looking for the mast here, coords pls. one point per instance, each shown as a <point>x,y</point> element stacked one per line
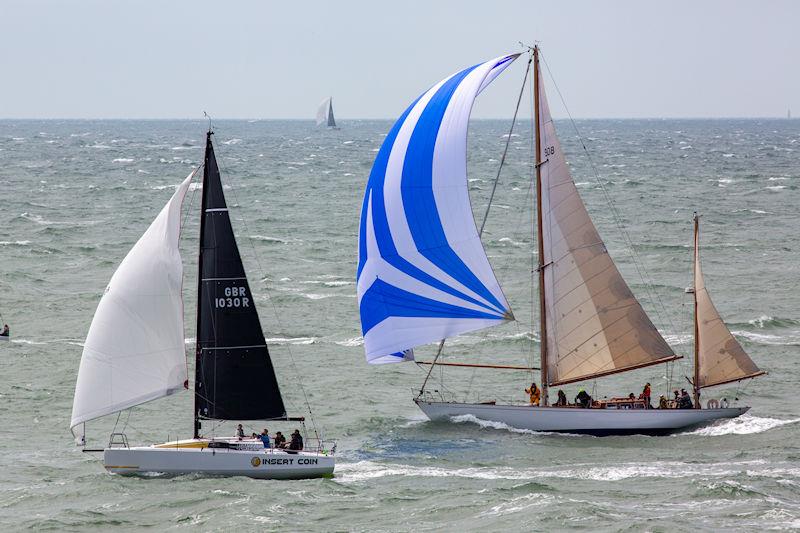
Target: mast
<point>696,380</point>
<point>539,232</point>
<point>198,350</point>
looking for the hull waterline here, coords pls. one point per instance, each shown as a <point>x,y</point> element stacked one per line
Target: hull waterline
<point>261,464</point>
<point>599,422</point>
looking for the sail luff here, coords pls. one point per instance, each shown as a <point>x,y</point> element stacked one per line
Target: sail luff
<point>720,357</point>
<point>539,231</point>
<point>593,324</point>
<point>696,379</point>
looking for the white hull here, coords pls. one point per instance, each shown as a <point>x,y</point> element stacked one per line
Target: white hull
<point>585,421</point>
<point>262,464</point>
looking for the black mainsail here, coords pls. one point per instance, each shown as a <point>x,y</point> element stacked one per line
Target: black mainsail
<point>234,377</point>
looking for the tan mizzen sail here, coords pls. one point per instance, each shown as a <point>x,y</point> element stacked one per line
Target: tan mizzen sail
<point>594,324</point>
<point>720,358</point>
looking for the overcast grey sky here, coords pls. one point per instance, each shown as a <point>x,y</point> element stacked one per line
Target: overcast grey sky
<point>279,59</point>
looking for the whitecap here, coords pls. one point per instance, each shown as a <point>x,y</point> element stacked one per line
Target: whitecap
<point>772,340</point>
<point>122,160</point>
<point>232,141</point>
<point>15,243</point>
<point>776,187</point>
<point>743,425</point>
<point>292,340</point>
<point>354,341</point>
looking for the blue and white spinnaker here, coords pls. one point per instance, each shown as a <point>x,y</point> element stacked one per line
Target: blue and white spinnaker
<point>423,275</point>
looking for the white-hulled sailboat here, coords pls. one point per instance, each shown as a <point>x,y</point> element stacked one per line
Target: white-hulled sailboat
<point>423,275</point>
<point>325,114</point>
<point>134,351</point>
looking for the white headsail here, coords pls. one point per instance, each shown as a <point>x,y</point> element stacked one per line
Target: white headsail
<point>134,351</point>
<point>422,274</point>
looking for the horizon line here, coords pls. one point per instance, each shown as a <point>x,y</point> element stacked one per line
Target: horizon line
<point>311,119</point>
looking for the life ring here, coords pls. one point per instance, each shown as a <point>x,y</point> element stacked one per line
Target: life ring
<point>713,404</point>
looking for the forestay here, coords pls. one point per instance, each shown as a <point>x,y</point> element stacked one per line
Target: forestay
<point>721,359</point>
<point>422,274</point>
<point>134,351</point>
<point>594,324</point>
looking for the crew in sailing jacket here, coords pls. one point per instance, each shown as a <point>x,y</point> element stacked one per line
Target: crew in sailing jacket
<point>534,393</point>
<point>583,399</point>
<point>6,332</point>
<point>646,396</point>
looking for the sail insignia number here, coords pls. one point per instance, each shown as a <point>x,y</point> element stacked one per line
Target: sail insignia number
<point>233,297</point>
<point>549,150</point>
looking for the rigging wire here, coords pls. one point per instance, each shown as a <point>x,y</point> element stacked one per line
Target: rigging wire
<point>269,296</point>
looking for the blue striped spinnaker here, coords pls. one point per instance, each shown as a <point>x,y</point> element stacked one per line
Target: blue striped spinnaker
<point>423,274</point>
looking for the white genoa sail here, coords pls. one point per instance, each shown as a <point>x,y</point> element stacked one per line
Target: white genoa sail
<point>720,357</point>
<point>594,324</point>
<point>422,274</point>
<point>134,350</point>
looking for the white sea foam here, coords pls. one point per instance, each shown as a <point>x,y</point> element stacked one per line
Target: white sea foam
<point>773,340</point>
<point>520,503</point>
<point>232,141</point>
<point>15,243</point>
<point>679,339</point>
<point>743,425</point>
<point>354,341</point>
<point>368,470</point>
<point>122,160</point>
<point>776,187</point>
<point>292,340</point>
<point>27,341</point>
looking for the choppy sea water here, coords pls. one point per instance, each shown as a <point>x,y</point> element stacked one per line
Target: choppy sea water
<point>77,194</point>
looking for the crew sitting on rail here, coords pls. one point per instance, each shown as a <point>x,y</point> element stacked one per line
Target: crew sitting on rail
<point>562,399</point>
<point>280,440</point>
<point>265,438</point>
<point>534,393</point>
<point>6,332</point>
<point>676,401</point>
<point>239,432</point>
<point>583,399</point>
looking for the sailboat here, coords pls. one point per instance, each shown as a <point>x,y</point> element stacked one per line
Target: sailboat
<point>134,351</point>
<point>325,114</point>
<point>423,275</point>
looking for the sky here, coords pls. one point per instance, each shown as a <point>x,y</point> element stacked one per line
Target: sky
<point>279,59</point>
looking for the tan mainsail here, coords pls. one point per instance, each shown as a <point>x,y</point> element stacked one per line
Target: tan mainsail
<point>594,324</point>
<point>720,357</point>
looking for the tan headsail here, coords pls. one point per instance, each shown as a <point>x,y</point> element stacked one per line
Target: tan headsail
<point>594,324</point>
<point>719,356</point>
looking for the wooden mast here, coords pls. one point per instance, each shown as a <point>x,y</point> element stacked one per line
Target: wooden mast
<point>696,327</point>
<point>539,241</point>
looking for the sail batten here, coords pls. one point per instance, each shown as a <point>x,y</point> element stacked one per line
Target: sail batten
<point>135,351</point>
<point>720,357</point>
<point>422,273</point>
<point>594,325</point>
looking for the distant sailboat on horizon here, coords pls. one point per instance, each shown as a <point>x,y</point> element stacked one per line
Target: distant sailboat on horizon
<point>325,114</point>
<point>423,276</point>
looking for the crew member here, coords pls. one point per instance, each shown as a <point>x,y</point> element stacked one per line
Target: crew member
<point>534,393</point>
<point>562,399</point>
<point>583,399</point>
<point>296,442</point>
<point>239,432</point>
<point>6,332</point>
<point>662,402</point>
<point>646,396</point>
<point>280,440</point>
<point>265,438</point>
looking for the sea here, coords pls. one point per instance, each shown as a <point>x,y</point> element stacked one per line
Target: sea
<point>77,194</point>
